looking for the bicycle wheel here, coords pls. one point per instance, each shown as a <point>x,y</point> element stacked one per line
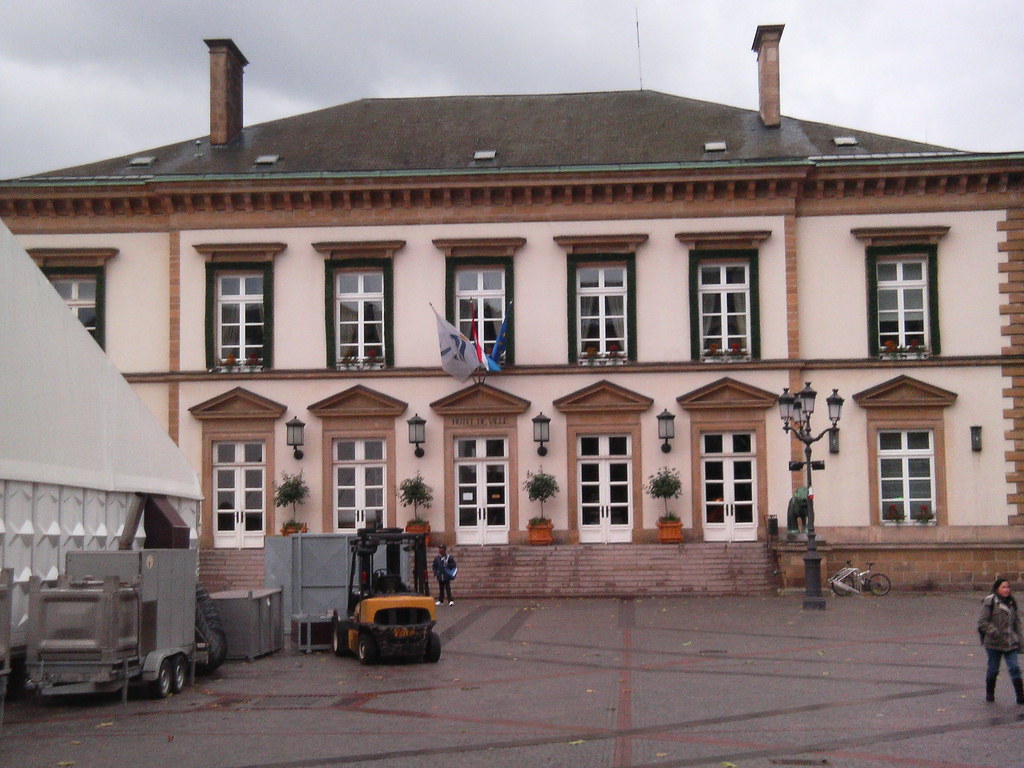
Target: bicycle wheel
<point>879,584</point>
<point>844,586</point>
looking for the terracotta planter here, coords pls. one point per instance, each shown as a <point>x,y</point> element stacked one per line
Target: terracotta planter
<point>288,530</point>
<point>670,531</point>
<point>540,533</point>
<point>411,527</point>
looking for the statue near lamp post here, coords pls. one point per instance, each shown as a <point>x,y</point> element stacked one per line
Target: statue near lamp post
<point>795,411</point>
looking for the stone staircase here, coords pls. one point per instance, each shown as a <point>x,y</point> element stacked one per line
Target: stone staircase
<point>615,570</point>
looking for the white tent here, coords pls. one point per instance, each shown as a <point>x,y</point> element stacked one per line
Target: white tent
<point>77,445</point>
<point>67,417</point>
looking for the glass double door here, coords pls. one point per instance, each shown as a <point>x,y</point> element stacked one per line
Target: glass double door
<point>729,492</point>
<point>604,472</point>
<point>239,494</point>
<point>481,490</point>
<point>359,473</point>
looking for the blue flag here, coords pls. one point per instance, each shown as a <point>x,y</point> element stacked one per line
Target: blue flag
<point>494,359</point>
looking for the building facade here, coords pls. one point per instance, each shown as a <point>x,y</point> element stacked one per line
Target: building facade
<point>652,255</point>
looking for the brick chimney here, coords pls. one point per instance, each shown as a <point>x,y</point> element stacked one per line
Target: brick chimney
<point>226,64</point>
<point>766,44</point>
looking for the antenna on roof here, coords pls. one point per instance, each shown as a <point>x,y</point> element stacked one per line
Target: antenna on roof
<point>639,61</point>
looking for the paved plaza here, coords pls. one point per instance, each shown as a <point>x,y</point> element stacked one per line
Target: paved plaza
<point>746,682</point>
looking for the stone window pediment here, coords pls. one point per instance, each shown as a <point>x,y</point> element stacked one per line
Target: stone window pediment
<point>600,244</point>
<point>603,396</point>
<point>480,399</point>
<point>71,258</point>
<point>238,403</point>
<point>904,392</point>
<point>475,247</point>
<point>358,402</point>
<point>359,249</point>
<point>727,393</point>
<point>229,253</point>
<point>716,241</point>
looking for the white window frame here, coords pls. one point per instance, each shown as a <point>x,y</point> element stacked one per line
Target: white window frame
<point>606,347</point>
<point>361,489</point>
<point>908,502</point>
<point>903,341</point>
<point>724,344</point>
<point>481,301</point>
<point>249,353</point>
<point>74,300</point>
<point>360,353</point>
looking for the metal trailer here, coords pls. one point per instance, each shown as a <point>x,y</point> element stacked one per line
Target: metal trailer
<point>6,597</point>
<point>112,619</point>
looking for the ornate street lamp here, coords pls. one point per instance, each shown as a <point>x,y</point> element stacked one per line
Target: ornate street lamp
<point>795,411</point>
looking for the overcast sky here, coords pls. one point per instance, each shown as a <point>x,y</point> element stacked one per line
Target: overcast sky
<point>84,80</point>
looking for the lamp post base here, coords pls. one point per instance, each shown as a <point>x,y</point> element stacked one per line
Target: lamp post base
<point>813,598</point>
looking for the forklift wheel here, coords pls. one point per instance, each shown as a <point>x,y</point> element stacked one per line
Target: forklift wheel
<point>339,639</point>
<point>161,687</point>
<point>367,649</point>
<point>433,653</point>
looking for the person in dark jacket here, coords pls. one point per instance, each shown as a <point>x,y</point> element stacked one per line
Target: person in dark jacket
<point>999,628</point>
<point>444,571</point>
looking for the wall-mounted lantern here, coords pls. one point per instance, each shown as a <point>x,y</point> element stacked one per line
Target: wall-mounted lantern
<point>417,434</point>
<point>541,432</point>
<point>295,436</point>
<point>666,429</point>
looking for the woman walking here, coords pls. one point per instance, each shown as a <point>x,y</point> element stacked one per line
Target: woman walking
<point>999,627</point>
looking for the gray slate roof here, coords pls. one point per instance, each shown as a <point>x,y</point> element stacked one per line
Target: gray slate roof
<point>525,132</point>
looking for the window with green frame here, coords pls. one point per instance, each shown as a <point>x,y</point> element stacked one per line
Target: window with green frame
<point>903,300</point>
<point>481,290</point>
<point>358,298</point>
<point>239,315</point>
<point>724,305</point>
<point>83,289</point>
<point>601,299</point>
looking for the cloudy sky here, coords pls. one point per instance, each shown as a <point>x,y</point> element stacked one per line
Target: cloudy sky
<point>84,80</point>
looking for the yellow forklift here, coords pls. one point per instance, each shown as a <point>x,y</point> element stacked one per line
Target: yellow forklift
<point>386,618</point>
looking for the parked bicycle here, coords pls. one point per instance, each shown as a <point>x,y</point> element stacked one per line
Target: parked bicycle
<point>851,581</point>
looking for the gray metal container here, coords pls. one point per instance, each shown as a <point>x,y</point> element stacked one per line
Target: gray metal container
<point>252,620</point>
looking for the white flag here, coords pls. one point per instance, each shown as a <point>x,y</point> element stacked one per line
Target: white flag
<point>458,354</point>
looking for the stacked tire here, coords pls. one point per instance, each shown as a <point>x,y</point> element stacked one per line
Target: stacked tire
<point>209,631</point>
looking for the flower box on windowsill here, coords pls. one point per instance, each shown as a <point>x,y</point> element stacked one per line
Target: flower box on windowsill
<point>912,352</point>
<point>603,358</point>
<point>734,354</point>
<point>360,364</point>
<point>253,365</point>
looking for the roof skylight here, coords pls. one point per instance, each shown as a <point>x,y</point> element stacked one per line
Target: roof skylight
<point>267,159</point>
<point>142,161</point>
<point>845,141</point>
<point>485,154</point>
<point>715,146</point>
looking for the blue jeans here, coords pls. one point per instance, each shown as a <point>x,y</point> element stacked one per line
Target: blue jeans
<point>1011,662</point>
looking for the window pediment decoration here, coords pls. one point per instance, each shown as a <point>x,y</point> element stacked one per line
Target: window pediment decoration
<point>889,236</point>
<point>80,258</point>
<point>239,252</point>
<point>603,396</point>
<point>726,393</point>
<point>360,249</point>
<point>601,244</point>
<point>358,402</point>
<point>471,247</point>
<point>721,241</point>
<point>238,403</point>
<point>480,399</point>
<point>904,392</point>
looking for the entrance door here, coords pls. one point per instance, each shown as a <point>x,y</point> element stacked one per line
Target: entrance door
<point>727,476</point>
<point>358,484</point>
<point>604,471</point>
<point>481,488</point>
<point>239,493</point>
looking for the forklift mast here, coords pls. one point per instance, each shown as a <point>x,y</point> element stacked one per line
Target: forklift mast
<point>363,580</point>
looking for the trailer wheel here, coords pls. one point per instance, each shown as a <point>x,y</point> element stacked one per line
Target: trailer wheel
<point>339,638</point>
<point>161,687</point>
<point>366,649</point>
<point>179,672</point>
<point>433,653</point>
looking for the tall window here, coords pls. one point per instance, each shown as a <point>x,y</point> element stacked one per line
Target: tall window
<point>902,304</point>
<point>903,301</point>
<point>359,312</point>
<point>239,483</point>
<point>724,304</point>
<point>906,469</point>
<point>79,293</point>
<point>480,299</point>
<point>240,318</point>
<point>358,484</point>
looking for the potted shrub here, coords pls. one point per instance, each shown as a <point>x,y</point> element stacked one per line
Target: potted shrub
<point>540,486</point>
<point>665,484</point>
<point>414,492</point>
<point>290,492</point>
